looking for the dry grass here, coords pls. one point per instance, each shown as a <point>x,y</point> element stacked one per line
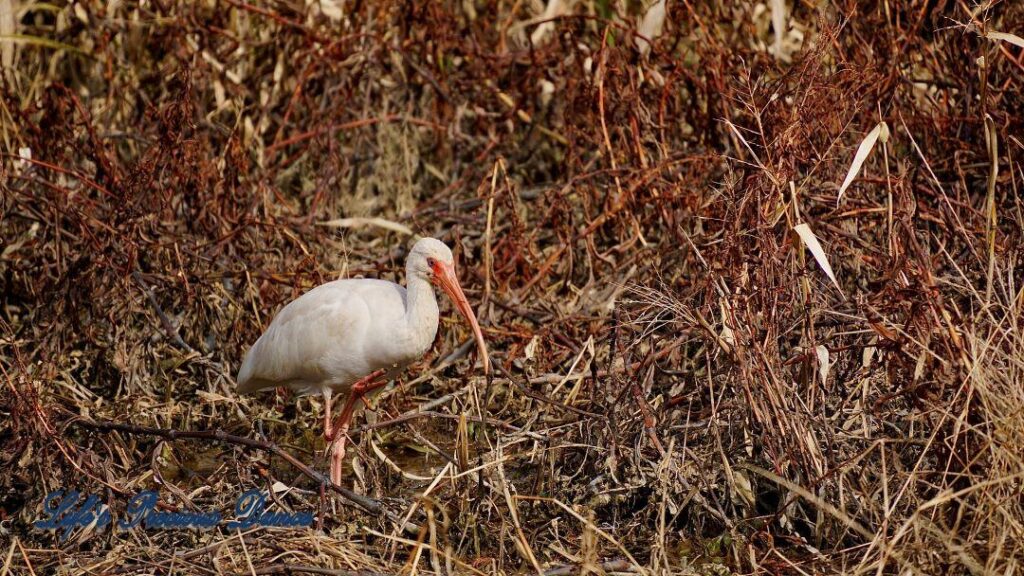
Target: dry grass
<point>681,387</point>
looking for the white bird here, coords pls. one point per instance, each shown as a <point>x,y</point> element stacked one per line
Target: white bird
<point>351,336</point>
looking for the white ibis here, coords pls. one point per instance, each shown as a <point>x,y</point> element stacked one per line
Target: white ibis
<point>351,336</point>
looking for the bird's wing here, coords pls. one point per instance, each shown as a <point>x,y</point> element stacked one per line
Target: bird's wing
<point>308,340</point>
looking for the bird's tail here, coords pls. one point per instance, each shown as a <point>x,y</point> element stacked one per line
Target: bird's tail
<point>247,382</point>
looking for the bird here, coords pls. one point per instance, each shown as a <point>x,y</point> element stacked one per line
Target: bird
<point>352,336</point>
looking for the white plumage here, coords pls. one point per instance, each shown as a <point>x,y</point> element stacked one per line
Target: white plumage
<point>334,335</point>
<point>349,336</point>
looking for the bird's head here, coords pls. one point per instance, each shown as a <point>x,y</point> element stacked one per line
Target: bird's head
<point>433,261</point>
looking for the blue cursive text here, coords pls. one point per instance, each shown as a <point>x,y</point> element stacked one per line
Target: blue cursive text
<point>68,510</point>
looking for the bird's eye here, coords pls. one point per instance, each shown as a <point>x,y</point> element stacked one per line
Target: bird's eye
<point>431,262</point>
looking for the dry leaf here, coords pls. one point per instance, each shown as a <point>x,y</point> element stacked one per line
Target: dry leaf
<point>866,355</point>
<point>26,457</point>
<point>811,241</point>
<point>358,222</point>
<point>547,90</point>
<point>332,9</point>
<point>8,27</point>
<point>214,398</point>
<point>531,348</point>
<point>866,145</point>
<point>727,335</point>
<point>778,8</point>
<point>80,13</point>
<point>822,353</point>
<point>650,26</point>
<point>743,487</point>
<point>554,9</point>
<point>1003,36</point>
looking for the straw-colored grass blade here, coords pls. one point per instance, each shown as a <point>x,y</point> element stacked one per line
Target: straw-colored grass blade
<point>811,241</point>
<point>552,10</point>
<point>823,365</point>
<point>333,9</point>
<point>359,222</point>
<point>778,8</point>
<point>727,333</point>
<point>8,39</point>
<point>1005,37</point>
<point>743,488</point>
<point>881,131</point>
<point>651,25</point>
<point>8,25</point>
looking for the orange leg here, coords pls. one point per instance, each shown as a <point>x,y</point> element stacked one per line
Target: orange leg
<point>337,434</point>
<point>328,433</point>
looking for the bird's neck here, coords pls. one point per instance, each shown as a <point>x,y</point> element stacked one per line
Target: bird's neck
<point>421,313</point>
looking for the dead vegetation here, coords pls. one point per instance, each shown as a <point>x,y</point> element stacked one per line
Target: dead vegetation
<point>682,388</point>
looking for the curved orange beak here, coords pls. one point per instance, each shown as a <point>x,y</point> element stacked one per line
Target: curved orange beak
<point>444,275</point>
